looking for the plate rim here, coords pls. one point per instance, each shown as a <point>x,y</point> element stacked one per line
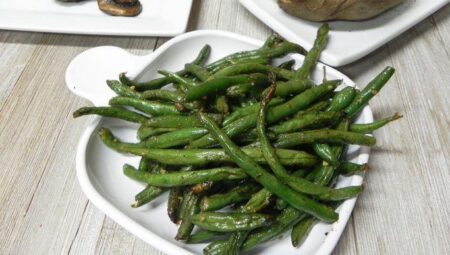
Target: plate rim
<point>327,57</point>
<point>161,243</point>
<point>8,21</point>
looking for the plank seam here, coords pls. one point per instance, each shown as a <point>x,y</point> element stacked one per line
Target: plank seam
<point>78,228</point>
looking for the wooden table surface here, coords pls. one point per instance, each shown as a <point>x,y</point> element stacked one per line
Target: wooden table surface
<point>404,210</point>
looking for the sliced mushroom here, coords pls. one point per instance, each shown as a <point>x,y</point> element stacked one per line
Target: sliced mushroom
<point>127,8</point>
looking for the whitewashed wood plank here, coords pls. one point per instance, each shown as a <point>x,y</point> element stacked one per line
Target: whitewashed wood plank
<point>16,48</point>
<point>442,23</point>
<point>406,191</point>
<point>347,243</point>
<point>85,240</point>
<point>43,203</point>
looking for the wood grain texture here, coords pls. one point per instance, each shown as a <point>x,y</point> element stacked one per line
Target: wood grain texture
<point>404,209</point>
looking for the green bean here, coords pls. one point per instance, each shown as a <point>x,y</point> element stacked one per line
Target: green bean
<point>217,248</point>
<point>162,94</point>
<point>216,85</point>
<point>235,241</point>
<point>342,99</point>
<point>284,221</point>
<point>280,204</point>
<point>349,168</point>
<point>249,68</point>
<point>145,132</point>
<point>293,86</point>
<point>323,135</point>
<point>274,114</point>
<point>278,50</point>
<point>230,222</point>
<point>258,201</point>
<point>272,40</point>
<point>173,203</point>
<point>198,71</point>
<point>241,112</point>
<point>325,152</point>
<point>324,176</point>
<point>339,149</point>
<point>161,82</point>
<point>242,90</point>
<point>306,120</point>
<point>266,147</point>
<point>219,201</point>
<point>369,91</point>
<point>123,90</point>
<point>201,188</point>
<point>184,178</point>
<point>174,138</point>
<point>112,112</point>
<point>288,65</point>
<point>144,165</point>
<point>315,108</point>
<point>200,156</point>
<point>204,236</point>
<point>180,80</point>
<point>125,80</point>
<point>150,192</point>
<point>369,127</point>
<point>312,175</point>
<point>298,184</point>
<point>179,122</point>
<point>189,207</point>
<point>149,107</point>
<point>266,179</point>
<point>313,55</point>
<point>300,230</point>
<point>147,195</point>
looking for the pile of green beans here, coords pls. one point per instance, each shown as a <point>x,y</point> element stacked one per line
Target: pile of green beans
<point>247,150</point>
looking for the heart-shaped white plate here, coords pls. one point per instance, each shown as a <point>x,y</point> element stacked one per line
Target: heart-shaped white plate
<point>99,169</point>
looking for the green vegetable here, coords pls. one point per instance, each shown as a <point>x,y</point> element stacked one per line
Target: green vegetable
<point>189,207</point>
<point>369,91</point>
<point>323,135</point>
<point>264,178</point>
<point>161,82</point>
<point>200,156</point>
<point>275,114</point>
<point>184,178</point>
<point>235,195</point>
<point>230,222</point>
<point>216,85</point>
<point>112,112</point>
<point>313,55</point>
<point>369,127</point>
<point>149,107</point>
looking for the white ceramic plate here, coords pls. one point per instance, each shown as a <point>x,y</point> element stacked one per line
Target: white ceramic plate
<point>99,169</point>
<point>158,18</point>
<point>349,41</point>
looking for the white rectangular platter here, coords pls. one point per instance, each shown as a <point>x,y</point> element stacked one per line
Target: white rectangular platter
<point>349,41</point>
<point>158,18</point>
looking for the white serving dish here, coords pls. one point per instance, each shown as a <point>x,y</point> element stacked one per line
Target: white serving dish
<point>349,41</point>
<point>158,18</point>
<point>99,168</point>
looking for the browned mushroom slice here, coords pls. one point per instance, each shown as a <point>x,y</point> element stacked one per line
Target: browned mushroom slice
<point>113,7</point>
